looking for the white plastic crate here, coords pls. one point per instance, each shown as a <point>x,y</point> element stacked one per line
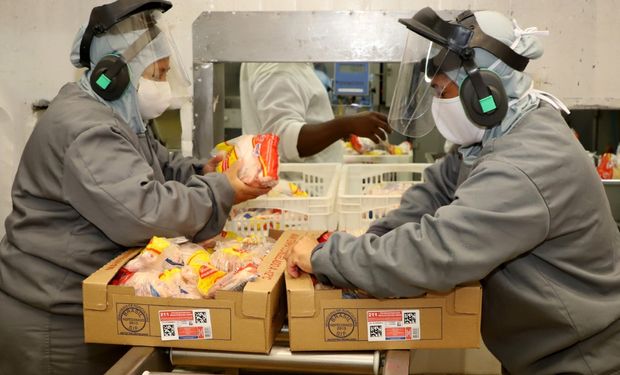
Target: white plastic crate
<point>357,210</point>
<point>377,159</point>
<point>315,212</point>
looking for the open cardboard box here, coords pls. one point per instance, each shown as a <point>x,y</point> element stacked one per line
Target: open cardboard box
<point>323,320</point>
<point>244,321</point>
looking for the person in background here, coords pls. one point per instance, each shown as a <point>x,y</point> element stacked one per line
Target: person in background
<point>289,99</point>
<point>518,207</point>
<point>93,182</point>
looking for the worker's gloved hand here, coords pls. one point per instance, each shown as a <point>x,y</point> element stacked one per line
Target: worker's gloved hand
<point>243,192</point>
<point>371,125</point>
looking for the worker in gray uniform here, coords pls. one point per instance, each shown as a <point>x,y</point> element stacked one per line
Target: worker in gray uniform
<point>92,182</point>
<point>519,208</point>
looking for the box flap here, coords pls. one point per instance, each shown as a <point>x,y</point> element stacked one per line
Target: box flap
<point>255,302</point>
<point>94,287</point>
<point>468,299</point>
<point>300,295</point>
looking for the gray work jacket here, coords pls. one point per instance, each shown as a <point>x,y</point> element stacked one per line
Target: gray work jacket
<point>530,219</point>
<point>87,188</point>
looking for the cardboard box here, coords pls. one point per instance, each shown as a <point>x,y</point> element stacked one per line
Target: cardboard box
<point>322,320</point>
<point>244,321</point>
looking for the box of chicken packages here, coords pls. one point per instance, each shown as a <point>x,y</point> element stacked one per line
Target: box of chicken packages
<point>322,318</point>
<point>174,293</point>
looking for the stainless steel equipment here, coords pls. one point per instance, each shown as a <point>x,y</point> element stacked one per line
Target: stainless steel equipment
<point>337,36</point>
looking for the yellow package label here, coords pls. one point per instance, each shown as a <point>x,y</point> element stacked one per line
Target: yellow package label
<point>157,245</point>
<point>208,276</point>
<point>169,274</point>
<point>296,190</point>
<point>199,258</point>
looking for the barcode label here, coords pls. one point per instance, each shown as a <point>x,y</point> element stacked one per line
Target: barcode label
<point>185,324</point>
<point>393,325</point>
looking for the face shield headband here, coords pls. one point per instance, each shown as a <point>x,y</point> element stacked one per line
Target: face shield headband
<point>103,17</point>
<point>451,48</point>
<point>133,27</point>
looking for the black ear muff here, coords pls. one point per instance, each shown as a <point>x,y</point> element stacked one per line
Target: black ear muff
<point>110,77</point>
<point>487,111</point>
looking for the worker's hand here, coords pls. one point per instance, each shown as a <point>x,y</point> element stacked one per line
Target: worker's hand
<point>210,165</point>
<point>298,258</point>
<point>210,243</point>
<point>243,192</point>
<point>371,125</point>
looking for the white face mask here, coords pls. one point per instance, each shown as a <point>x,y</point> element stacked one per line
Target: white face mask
<point>153,98</point>
<point>452,122</point>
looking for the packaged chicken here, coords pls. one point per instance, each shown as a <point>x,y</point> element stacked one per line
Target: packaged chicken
<point>234,281</point>
<point>159,254</point>
<point>259,154</point>
<point>286,188</point>
<point>365,146</point>
<point>177,268</point>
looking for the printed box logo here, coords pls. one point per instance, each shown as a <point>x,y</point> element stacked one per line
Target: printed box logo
<point>340,325</point>
<point>131,319</point>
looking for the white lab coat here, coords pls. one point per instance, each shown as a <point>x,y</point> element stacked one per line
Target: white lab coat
<point>280,98</point>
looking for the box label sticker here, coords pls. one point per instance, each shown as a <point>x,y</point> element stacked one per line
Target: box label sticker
<point>393,325</point>
<point>185,324</point>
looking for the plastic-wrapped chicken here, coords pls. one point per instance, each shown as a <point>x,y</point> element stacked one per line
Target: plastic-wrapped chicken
<point>260,158</point>
<point>208,275</point>
<point>147,283</point>
<point>365,146</point>
<point>180,269</point>
<point>178,285</point>
<point>403,148</point>
<point>234,254</point>
<point>234,280</point>
<point>286,188</point>
<point>188,249</point>
<point>159,254</point>
<point>362,145</point>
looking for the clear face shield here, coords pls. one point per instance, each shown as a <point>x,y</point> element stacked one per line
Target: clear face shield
<point>151,52</point>
<point>427,71</point>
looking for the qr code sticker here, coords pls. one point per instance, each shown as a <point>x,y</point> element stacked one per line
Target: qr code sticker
<point>410,318</point>
<point>168,330</point>
<point>375,331</point>
<point>201,317</point>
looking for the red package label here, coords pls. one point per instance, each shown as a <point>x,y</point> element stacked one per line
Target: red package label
<point>605,167</point>
<point>191,332</point>
<point>176,315</point>
<point>385,316</point>
<point>398,333</point>
<point>324,236</point>
<point>266,149</point>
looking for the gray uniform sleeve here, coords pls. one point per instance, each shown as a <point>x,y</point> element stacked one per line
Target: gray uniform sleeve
<point>174,165</point>
<point>497,214</point>
<point>437,190</point>
<point>109,183</point>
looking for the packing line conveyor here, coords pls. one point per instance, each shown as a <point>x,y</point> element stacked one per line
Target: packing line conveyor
<point>159,361</point>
